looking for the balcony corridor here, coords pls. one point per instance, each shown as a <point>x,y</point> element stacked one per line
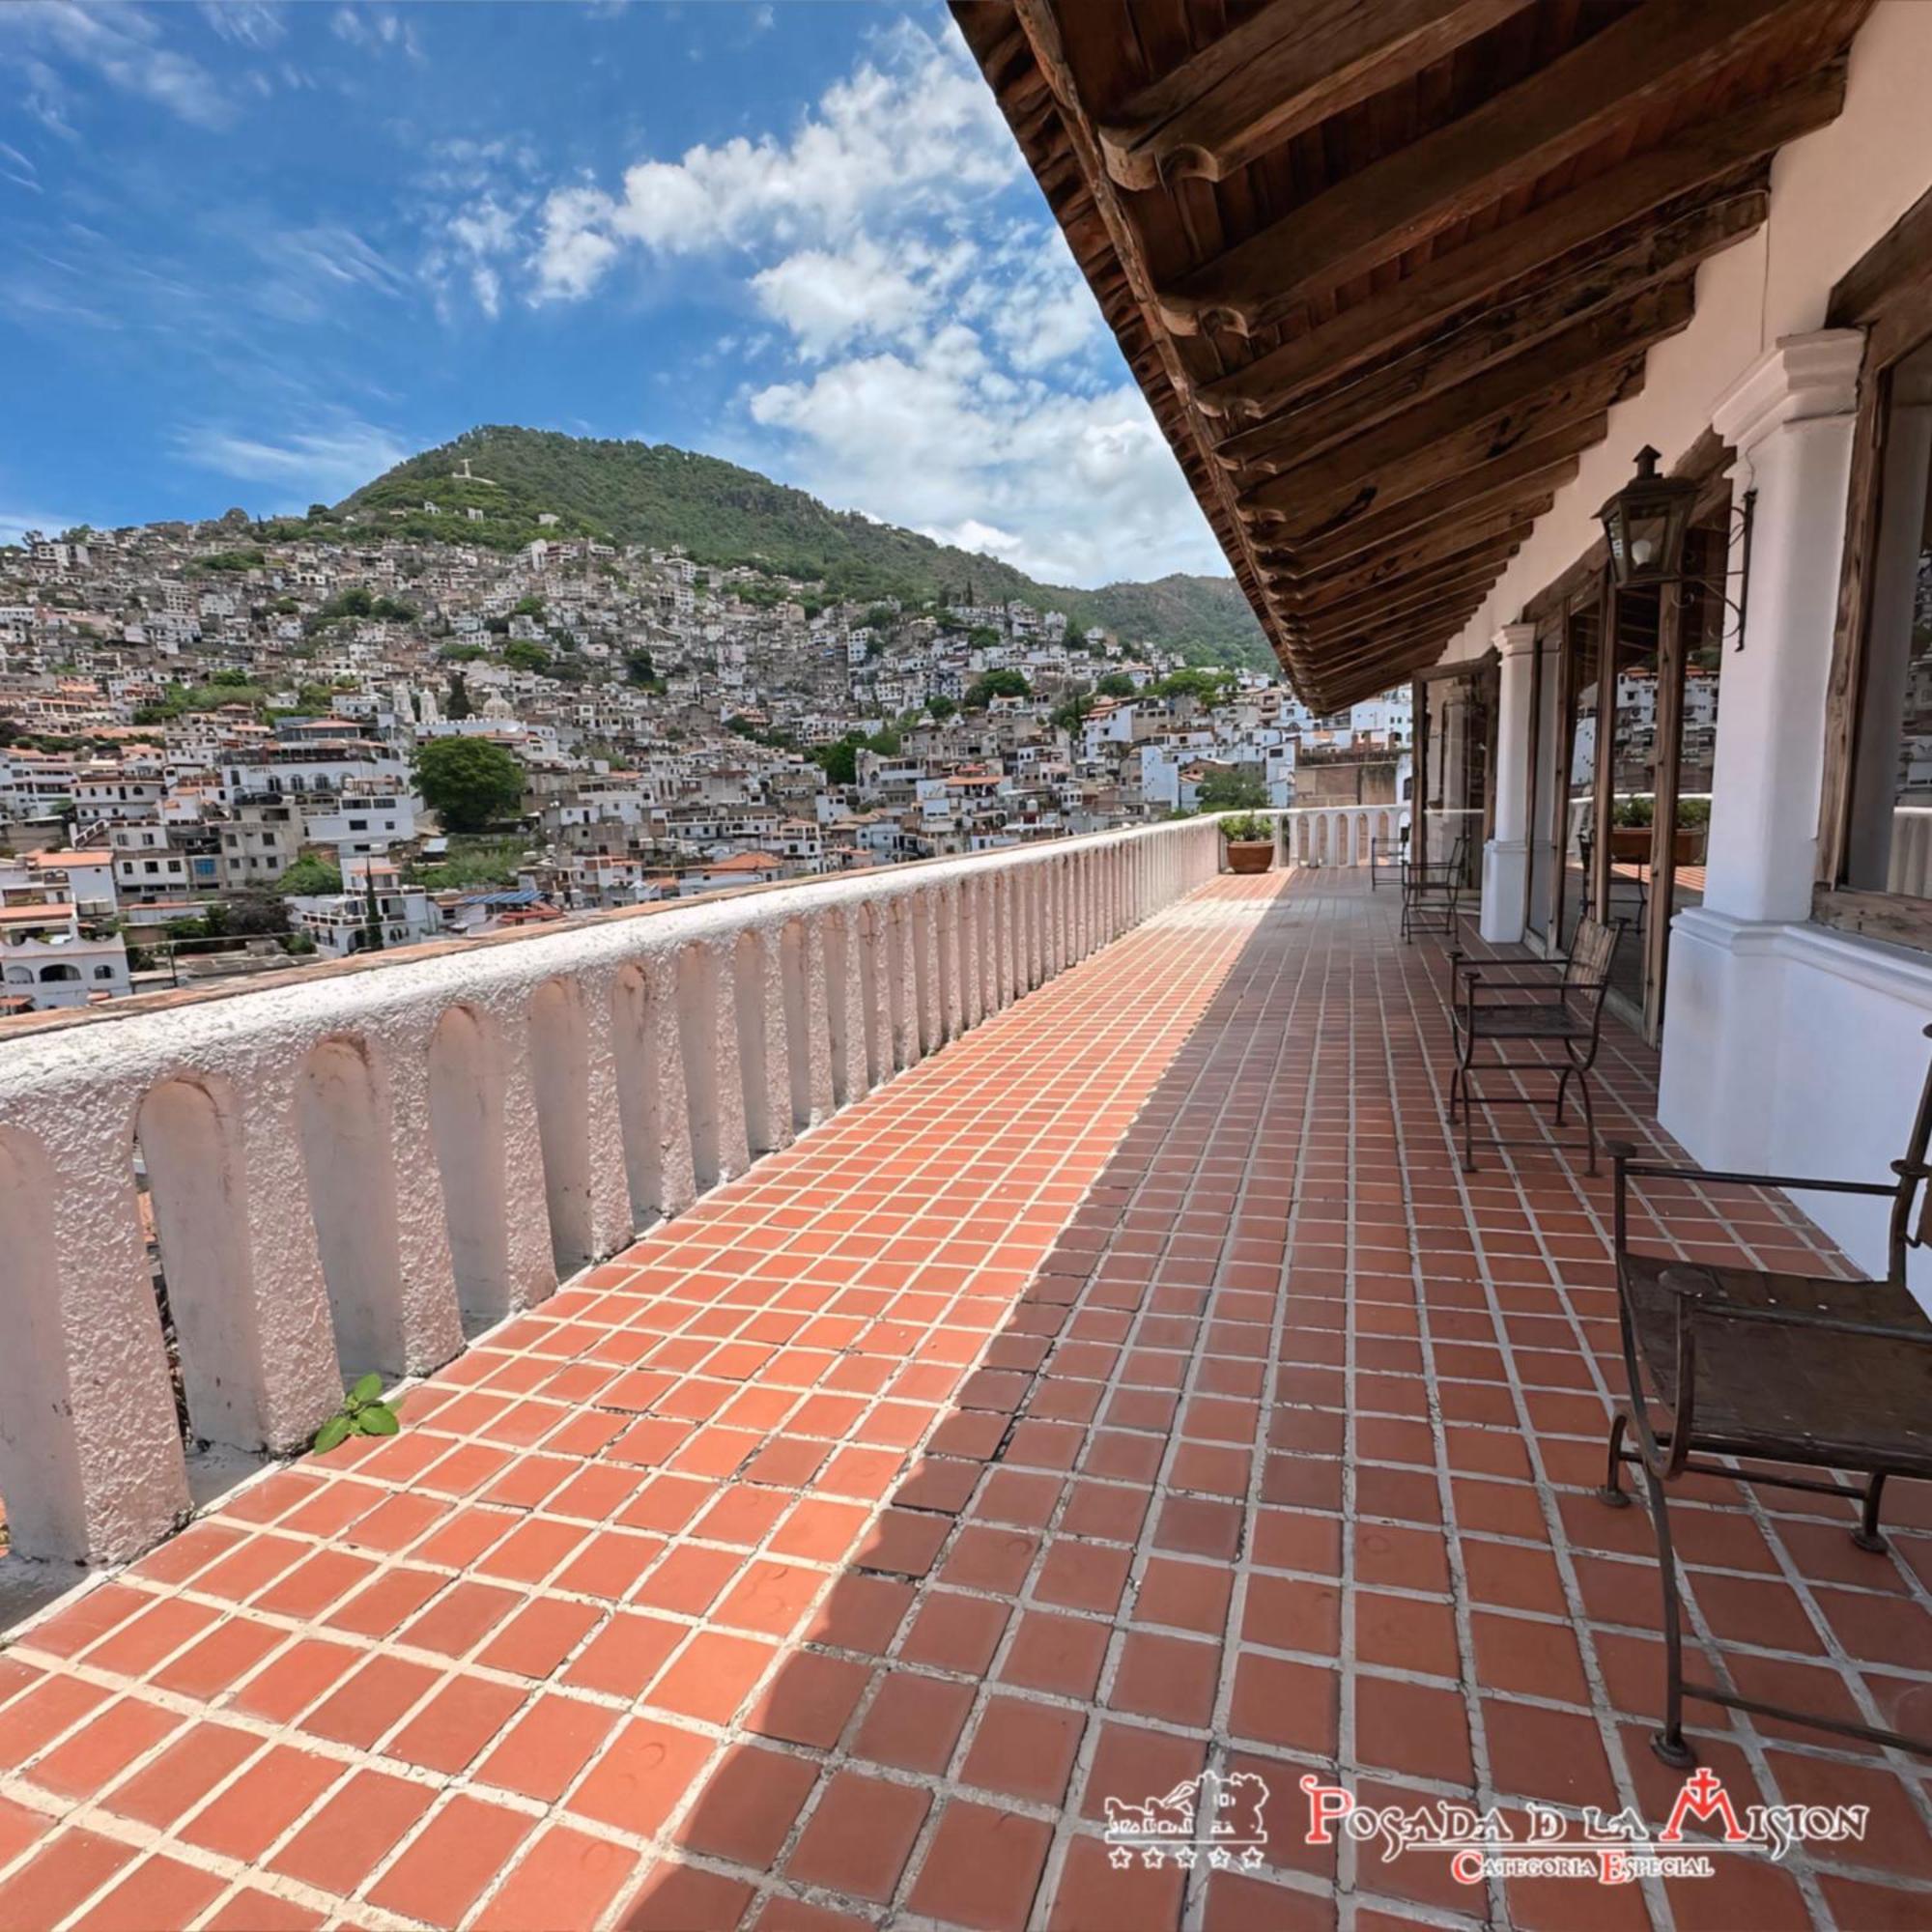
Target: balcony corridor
<point>1135,1386</point>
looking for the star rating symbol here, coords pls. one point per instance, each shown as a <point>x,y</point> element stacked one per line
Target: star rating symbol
<point>1184,1857</point>
<point>1151,1858</point>
<point>1120,1858</point>
<point>1252,1856</point>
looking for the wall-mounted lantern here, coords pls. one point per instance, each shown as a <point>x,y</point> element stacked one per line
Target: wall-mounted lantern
<point>1645,525</point>
<point>1645,522</point>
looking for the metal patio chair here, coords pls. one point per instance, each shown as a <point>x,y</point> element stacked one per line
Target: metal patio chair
<point>1380,859</point>
<point>1497,1002</point>
<point>1431,891</point>
<point>1792,1368</point>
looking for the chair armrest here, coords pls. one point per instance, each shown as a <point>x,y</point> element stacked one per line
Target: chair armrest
<point>1525,995</point>
<point>1520,966</point>
<point>1622,1152</point>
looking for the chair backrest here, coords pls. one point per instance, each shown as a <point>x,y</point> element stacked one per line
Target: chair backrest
<point>1910,1179</point>
<point>1591,950</point>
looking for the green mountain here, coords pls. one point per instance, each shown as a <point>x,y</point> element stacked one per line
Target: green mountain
<point>653,493</point>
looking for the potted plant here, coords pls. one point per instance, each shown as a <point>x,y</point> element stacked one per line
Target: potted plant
<point>1630,830</point>
<point>1250,841</point>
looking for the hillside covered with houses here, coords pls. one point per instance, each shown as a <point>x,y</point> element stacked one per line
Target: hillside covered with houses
<point>218,739</point>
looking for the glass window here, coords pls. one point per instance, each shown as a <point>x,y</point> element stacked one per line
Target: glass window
<point>1889,847</point>
<point>1584,636</point>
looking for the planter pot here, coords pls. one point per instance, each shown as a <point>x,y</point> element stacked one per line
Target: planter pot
<point>1250,855</point>
<point>1630,844</point>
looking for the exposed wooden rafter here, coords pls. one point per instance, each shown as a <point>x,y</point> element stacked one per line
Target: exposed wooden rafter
<point>1480,273</point>
<point>1659,48</point>
<point>1330,493</point>
<point>1384,267</point>
<point>1291,67</point>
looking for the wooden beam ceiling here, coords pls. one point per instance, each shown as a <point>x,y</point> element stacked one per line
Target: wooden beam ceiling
<point>1384,267</point>
<point>1391,563</point>
<point>1656,49</point>
<point>1597,217</point>
<point>1284,70</point>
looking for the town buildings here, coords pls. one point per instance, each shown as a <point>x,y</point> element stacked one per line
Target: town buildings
<point>203,707</point>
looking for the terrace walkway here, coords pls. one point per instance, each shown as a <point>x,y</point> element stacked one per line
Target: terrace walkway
<point>1132,1387</point>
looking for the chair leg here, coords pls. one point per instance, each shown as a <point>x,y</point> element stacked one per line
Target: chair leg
<point>1589,1118</point>
<point>1614,1492</point>
<point>1468,1123</point>
<point>1562,1084</point>
<point>1866,1536</point>
<point>1669,1742</point>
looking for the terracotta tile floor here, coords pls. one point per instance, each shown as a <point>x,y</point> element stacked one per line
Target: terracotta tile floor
<point>1137,1386</point>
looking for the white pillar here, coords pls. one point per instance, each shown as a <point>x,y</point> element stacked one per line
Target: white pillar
<point>1506,856</point>
<point>1790,418</point>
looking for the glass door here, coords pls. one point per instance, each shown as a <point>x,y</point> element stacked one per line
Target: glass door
<point>1456,736</point>
<point>1544,751</point>
<point>1691,662</point>
<point>1573,839</point>
<point>1629,884</point>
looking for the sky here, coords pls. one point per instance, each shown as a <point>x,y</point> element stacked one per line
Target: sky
<point>252,254</point>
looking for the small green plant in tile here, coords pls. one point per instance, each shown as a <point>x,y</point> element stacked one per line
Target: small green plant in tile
<point>364,1412</point>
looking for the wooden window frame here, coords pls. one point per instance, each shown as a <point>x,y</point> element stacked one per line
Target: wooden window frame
<point>1487,666</point>
<point>1887,294</point>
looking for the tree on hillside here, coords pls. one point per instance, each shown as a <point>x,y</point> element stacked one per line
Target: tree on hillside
<point>459,706</point>
<point>1208,687</point>
<point>840,760</point>
<point>939,707</point>
<point>309,877</point>
<point>469,781</point>
<point>997,684</point>
<point>1116,684</point>
<point>255,914</point>
<point>522,655</point>
<point>1231,791</point>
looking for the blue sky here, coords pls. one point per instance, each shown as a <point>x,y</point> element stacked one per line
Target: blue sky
<point>251,254</point>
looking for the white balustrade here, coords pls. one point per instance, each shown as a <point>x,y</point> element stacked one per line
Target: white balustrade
<point>1341,835</point>
<point>354,1166</point>
<point>1908,869</point>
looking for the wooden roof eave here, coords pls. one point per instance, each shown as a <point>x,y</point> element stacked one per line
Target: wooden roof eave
<point>1548,219</point>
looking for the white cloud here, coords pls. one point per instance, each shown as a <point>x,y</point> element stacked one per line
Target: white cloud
<point>377,30</point>
<point>319,464</point>
<point>913,133</point>
<point>15,524</point>
<point>16,168</point>
<point>574,249</point>
<point>248,23</point>
<point>1071,489</point>
<point>123,48</point>
<point>933,357</point>
<point>827,298</point>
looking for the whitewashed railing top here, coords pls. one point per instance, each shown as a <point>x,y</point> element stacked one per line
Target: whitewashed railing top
<point>353,1167</point>
<point>1340,834</point>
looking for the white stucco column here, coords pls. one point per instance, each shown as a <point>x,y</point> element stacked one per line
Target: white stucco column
<point>1506,856</point>
<point>1790,418</point>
